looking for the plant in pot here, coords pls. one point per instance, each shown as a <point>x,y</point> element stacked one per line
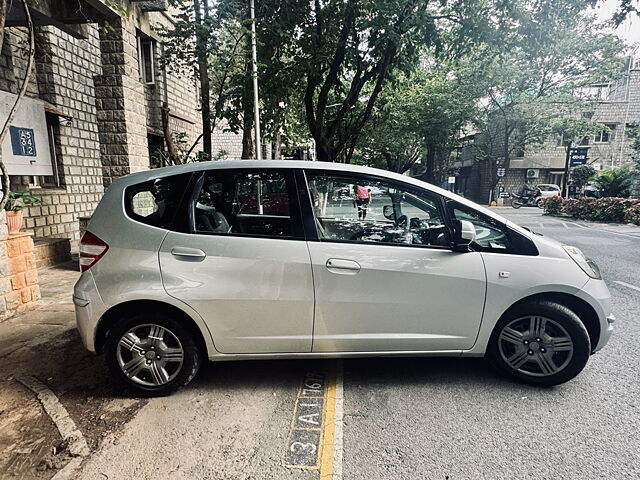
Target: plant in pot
<point>17,201</point>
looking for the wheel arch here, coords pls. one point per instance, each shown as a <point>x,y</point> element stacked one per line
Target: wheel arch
<point>580,307</point>
<point>132,307</point>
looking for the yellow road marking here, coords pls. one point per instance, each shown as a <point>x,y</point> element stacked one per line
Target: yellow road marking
<point>328,429</point>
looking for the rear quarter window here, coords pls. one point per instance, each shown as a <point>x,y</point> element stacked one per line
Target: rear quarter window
<point>156,202</point>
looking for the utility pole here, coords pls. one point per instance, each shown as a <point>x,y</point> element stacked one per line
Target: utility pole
<point>254,62</point>
<point>565,179</point>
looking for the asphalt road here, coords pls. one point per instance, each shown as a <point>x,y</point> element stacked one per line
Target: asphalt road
<point>409,418</point>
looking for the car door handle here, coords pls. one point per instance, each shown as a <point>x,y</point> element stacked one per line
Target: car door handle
<point>340,266</point>
<point>188,254</point>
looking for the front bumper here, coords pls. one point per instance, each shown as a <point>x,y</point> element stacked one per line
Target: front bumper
<point>89,308</point>
<point>596,293</point>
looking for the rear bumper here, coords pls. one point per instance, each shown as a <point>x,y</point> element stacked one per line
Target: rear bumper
<point>89,307</point>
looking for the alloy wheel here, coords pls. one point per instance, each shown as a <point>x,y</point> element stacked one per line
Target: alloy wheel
<point>535,345</point>
<point>150,355</point>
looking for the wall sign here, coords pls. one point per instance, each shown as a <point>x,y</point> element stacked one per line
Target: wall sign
<point>23,142</point>
<point>26,150</point>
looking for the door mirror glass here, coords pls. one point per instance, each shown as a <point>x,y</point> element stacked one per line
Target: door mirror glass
<point>387,211</point>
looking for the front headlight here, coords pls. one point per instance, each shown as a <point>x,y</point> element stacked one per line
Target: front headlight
<point>586,264</point>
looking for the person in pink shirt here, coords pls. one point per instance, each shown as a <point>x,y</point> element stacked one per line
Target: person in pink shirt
<point>362,199</point>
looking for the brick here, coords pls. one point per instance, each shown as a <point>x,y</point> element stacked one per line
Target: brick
<point>30,262</point>
<point>13,248</point>
<point>17,265</point>
<point>26,245</point>
<point>25,295</point>
<point>35,292</point>
<point>31,277</point>
<point>13,300</point>
<point>18,282</point>
<point>5,285</point>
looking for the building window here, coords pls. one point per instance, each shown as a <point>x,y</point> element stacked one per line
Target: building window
<point>605,135</point>
<point>146,59</point>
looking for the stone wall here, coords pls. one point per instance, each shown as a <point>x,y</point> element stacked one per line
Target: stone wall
<point>63,77</point>
<point>18,275</point>
<point>120,102</point>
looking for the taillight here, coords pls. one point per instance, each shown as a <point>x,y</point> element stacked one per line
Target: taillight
<point>91,250</point>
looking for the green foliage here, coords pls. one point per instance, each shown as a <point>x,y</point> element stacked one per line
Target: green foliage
<point>419,117</point>
<point>553,205</point>
<point>537,78</point>
<point>20,199</point>
<point>581,174</point>
<point>608,209</point>
<point>614,182</point>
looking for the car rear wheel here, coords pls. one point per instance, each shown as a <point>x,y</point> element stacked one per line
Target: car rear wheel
<point>542,343</point>
<point>152,354</point>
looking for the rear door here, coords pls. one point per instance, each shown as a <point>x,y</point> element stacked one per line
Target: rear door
<point>243,263</point>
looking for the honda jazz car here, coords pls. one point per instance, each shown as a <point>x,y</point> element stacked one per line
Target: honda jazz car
<point>251,260</point>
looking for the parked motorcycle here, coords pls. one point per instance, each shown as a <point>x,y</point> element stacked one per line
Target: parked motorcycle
<point>531,200</point>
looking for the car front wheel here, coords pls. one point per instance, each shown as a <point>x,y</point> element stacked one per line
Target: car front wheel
<point>542,343</point>
<point>152,354</point>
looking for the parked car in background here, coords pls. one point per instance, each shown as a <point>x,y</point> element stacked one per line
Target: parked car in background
<point>590,190</point>
<point>549,190</point>
<point>251,260</point>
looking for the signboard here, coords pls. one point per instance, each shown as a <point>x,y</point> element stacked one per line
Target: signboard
<point>23,141</point>
<point>501,172</point>
<point>25,150</point>
<point>578,156</point>
<point>452,179</point>
<point>504,195</point>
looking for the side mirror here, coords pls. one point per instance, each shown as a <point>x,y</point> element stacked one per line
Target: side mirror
<point>467,231</point>
<point>466,234</point>
<point>387,211</point>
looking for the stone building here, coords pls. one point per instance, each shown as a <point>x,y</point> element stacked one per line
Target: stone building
<point>93,111</point>
<point>618,107</point>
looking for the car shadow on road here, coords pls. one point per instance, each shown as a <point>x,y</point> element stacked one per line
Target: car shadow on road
<point>387,372</point>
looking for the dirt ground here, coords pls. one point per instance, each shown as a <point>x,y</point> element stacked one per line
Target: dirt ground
<point>44,344</point>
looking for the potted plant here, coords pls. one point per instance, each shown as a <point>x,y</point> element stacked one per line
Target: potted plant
<point>17,201</point>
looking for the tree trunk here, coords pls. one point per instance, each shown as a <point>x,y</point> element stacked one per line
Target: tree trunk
<point>248,147</point>
<point>429,172</point>
<point>171,147</point>
<point>203,73</point>
<point>3,16</point>
<point>276,148</point>
<point>21,94</point>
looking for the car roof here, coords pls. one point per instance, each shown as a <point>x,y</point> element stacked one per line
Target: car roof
<point>154,174</point>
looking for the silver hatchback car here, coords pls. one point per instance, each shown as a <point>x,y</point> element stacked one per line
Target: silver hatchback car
<point>281,259</point>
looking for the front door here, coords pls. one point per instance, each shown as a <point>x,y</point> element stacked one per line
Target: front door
<point>244,265</point>
<point>385,278</point>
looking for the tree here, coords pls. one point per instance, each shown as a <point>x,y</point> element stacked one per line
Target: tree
<point>581,175</point>
<point>21,93</point>
<point>419,118</point>
<point>614,182</point>
<point>538,75</point>
<point>345,51</point>
<point>213,37</point>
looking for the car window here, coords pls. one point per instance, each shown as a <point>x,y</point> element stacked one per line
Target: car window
<point>491,235</point>
<point>241,202</point>
<point>355,208</point>
<point>156,202</point>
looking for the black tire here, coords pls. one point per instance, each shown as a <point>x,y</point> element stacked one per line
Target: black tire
<point>191,358</point>
<point>540,203</point>
<point>562,318</point>
<point>516,204</point>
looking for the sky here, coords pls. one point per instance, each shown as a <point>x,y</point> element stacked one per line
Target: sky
<point>629,31</point>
